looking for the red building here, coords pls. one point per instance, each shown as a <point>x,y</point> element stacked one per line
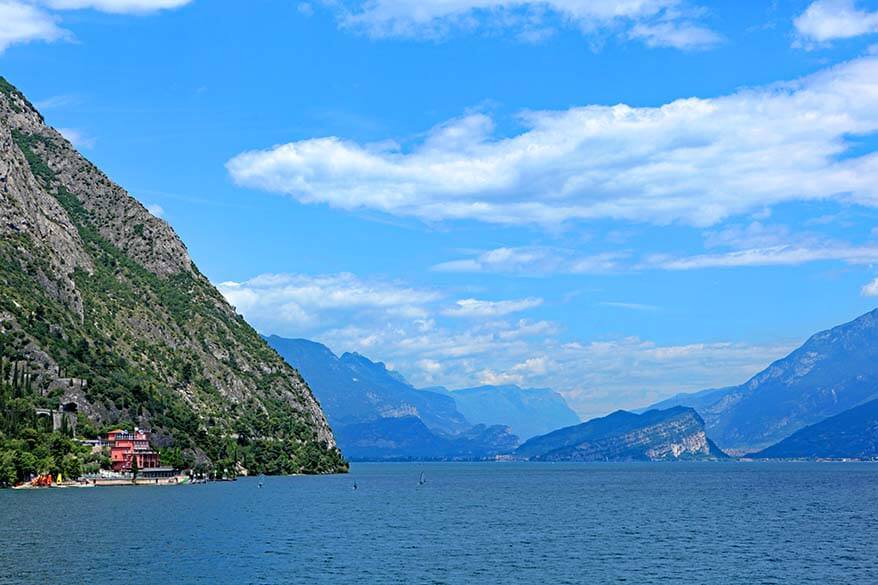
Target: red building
<point>125,447</point>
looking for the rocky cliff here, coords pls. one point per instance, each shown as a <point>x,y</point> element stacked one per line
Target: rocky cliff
<point>657,435</point>
<point>103,308</point>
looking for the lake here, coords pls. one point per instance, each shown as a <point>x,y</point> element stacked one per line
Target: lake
<point>711,523</point>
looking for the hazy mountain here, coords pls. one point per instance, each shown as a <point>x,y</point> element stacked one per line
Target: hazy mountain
<point>852,434</point>
<point>353,389</point>
<point>833,371</point>
<point>656,435</point>
<point>696,400</point>
<point>527,411</point>
<point>409,438</point>
<point>378,415</point>
<point>101,306</point>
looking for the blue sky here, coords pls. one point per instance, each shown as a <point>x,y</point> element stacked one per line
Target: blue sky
<point>618,200</point>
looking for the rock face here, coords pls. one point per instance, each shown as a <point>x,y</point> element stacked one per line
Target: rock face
<point>528,411</point>
<point>93,287</point>
<point>378,415</point>
<point>656,435</point>
<point>833,371</point>
<point>852,434</point>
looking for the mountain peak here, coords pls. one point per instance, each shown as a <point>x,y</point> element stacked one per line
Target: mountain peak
<point>95,288</point>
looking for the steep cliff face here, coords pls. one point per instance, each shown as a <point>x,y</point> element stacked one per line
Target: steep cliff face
<point>657,435</point>
<point>102,305</point>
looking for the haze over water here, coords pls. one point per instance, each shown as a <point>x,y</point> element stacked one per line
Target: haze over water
<point>710,523</point>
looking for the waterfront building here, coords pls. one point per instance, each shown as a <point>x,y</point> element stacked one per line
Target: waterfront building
<point>126,447</point>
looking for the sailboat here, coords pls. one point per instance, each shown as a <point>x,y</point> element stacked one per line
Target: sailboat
<point>423,479</point>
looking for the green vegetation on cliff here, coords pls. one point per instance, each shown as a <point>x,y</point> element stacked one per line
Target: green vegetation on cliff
<point>108,311</point>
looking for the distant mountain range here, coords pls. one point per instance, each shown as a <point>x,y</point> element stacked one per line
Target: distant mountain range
<point>352,389</point>
<point>409,438</point>
<point>527,411</point>
<point>377,414</point>
<point>851,434</point>
<point>815,402</point>
<point>657,435</point>
<point>832,372</point>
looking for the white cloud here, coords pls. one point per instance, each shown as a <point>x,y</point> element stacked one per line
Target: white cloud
<point>781,255</point>
<point>77,137</point>
<point>675,35</point>
<point>349,313</point>
<point>492,378</point>
<point>664,23</point>
<point>478,308</point>
<point>696,161</point>
<point>21,22</point>
<point>533,261</point>
<point>870,289</point>
<point>827,20</point>
<point>118,6</point>
<point>155,209</point>
<point>282,300</point>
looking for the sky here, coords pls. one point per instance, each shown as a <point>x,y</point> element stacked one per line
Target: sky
<point>619,200</point>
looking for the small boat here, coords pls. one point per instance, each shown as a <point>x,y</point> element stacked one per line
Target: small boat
<point>356,487</point>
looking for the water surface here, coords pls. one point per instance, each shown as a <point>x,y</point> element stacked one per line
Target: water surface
<point>716,523</point>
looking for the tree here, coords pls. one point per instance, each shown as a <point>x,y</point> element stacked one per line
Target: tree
<point>135,469</point>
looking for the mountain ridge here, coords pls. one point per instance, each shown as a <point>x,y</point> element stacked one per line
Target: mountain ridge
<point>98,290</point>
<point>852,434</point>
<point>656,435</point>
<point>832,371</point>
<point>378,415</point>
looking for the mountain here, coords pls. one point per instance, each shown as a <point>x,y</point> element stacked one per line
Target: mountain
<point>656,435</point>
<point>376,414</point>
<point>851,434</point>
<point>103,310</point>
<point>409,438</point>
<point>353,389</point>
<point>696,400</point>
<point>833,371</point>
<point>527,411</point>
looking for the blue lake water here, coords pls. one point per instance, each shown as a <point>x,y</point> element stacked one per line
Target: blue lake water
<point>720,523</point>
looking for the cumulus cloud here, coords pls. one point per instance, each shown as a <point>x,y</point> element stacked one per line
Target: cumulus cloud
<point>828,20</point>
<point>118,6</point>
<point>300,300</point>
<point>21,22</point>
<point>350,313</point>
<point>696,161</point>
<point>663,23</point>
<point>870,289</point>
<point>478,308</point>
